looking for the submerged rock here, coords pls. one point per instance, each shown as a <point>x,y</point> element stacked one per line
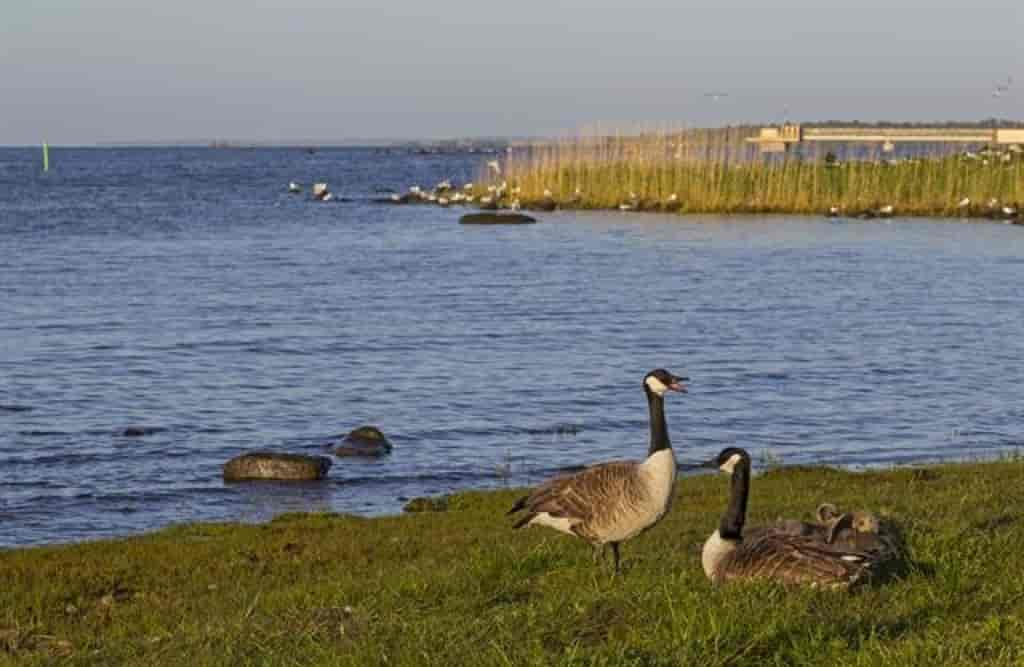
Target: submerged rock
<point>496,219</point>
<point>140,431</point>
<point>276,466</point>
<point>363,441</point>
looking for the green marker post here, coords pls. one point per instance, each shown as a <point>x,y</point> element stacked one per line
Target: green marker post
<point>46,157</point>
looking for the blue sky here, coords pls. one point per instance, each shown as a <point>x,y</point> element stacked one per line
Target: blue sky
<point>86,71</point>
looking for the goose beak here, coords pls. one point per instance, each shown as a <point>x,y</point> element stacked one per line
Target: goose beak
<point>679,384</point>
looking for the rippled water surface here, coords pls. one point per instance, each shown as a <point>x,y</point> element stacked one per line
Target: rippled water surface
<point>186,292</point>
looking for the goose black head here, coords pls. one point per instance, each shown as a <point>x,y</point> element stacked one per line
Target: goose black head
<point>660,381</point>
<point>728,459</point>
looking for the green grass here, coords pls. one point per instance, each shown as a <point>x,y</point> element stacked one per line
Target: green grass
<point>459,587</point>
<point>715,172</point>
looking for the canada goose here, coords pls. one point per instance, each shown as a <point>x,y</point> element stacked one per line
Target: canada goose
<point>612,502</point>
<point>773,554</point>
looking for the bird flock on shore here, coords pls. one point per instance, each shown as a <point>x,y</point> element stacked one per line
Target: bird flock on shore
<point>610,503</point>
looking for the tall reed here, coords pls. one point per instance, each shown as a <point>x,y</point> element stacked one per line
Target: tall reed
<point>717,171</point>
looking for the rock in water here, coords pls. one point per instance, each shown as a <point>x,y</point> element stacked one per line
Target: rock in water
<point>320,192</point>
<point>140,431</point>
<point>276,466</point>
<point>364,441</point>
<point>496,219</point>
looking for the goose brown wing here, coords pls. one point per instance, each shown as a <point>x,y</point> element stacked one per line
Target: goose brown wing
<point>581,495</point>
<point>796,559</point>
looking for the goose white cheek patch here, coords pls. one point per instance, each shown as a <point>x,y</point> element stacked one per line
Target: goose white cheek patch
<point>656,385</point>
<point>730,464</point>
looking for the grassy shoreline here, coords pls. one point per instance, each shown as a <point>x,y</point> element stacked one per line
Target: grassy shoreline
<point>459,587</point>
<point>716,172</point>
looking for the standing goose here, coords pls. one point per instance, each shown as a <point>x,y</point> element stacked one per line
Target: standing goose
<point>612,502</point>
<point>779,555</point>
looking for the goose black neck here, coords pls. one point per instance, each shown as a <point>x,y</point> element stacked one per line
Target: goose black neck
<point>659,430</point>
<point>731,526</point>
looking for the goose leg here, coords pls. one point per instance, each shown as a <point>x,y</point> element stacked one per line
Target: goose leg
<point>615,552</point>
<point>599,550</point>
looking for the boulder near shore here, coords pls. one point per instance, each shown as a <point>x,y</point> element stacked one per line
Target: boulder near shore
<point>363,441</point>
<point>276,466</point>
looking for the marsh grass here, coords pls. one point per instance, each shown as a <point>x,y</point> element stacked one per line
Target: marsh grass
<point>715,171</point>
<point>460,588</point>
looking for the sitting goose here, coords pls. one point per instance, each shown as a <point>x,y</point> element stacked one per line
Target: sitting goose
<point>612,502</point>
<point>774,554</point>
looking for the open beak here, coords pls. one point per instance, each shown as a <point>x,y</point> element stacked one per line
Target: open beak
<point>679,384</point>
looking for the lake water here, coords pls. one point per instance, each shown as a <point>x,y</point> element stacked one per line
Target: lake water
<point>184,290</point>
